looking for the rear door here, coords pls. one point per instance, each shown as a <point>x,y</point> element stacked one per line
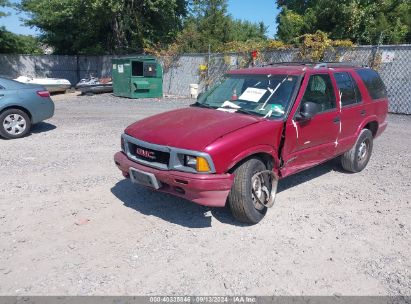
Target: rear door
<point>352,110</point>
<point>308,143</point>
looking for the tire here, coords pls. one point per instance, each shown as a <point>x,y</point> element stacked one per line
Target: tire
<point>240,198</point>
<point>357,158</point>
<point>14,123</point>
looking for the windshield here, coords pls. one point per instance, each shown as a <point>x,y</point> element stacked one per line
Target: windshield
<point>262,95</point>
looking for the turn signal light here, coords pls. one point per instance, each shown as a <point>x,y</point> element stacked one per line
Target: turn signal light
<point>202,165</point>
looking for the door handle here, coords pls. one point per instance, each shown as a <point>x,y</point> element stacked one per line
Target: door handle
<point>363,112</point>
<point>337,120</point>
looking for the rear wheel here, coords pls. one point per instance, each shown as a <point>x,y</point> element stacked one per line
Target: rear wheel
<point>14,123</point>
<point>357,158</point>
<point>250,191</point>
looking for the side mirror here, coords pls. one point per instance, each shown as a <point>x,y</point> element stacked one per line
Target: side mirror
<point>308,110</point>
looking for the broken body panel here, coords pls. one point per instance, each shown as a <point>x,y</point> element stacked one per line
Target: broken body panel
<point>228,137</point>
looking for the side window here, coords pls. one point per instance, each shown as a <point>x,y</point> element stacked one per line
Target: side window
<point>350,94</point>
<point>320,90</point>
<point>373,82</point>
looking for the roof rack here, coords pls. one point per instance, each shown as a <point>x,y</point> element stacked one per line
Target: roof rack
<point>290,63</point>
<point>317,65</point>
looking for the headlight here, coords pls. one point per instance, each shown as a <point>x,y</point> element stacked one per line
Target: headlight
<point>199,163</point>
<point>190,161</point>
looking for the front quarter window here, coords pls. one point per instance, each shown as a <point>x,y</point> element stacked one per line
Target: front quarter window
<point>260,95</point>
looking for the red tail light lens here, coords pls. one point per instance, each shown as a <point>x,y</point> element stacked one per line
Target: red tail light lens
<point>43,93</point>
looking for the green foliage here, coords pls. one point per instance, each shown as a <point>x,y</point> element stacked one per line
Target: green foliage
<point>313,46</point>
<point>18,44</point>
<point>117,26</point>
<point>210,19</point>
<point>104,26</point>
<point>245,30</point>
<point>292,25</point>
<point>3,3</point>
<point>361,21</point>
<point>209,24</point>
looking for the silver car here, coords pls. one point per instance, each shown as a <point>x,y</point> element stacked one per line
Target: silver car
<point>21,106</point>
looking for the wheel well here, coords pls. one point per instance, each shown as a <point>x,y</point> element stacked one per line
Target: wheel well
<point>266,158</point>
<point>373,127</point>
<point>19,108</point>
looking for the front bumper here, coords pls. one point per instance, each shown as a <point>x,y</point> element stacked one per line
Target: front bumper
<point>204,189</point>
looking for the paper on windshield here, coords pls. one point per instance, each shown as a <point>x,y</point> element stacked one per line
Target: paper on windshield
<point>230,107</point>
<point>230,104</point>
<point>253,94</point>
<point>227,110</point>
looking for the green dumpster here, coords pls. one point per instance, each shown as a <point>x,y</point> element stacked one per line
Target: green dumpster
<point>137,77</point>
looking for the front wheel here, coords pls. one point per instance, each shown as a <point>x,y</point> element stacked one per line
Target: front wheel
<point>14,123</point>
<point>356,159</point>
<point>253,190</point>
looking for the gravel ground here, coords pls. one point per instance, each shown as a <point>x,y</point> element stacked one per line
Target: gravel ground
<point>71,225</point>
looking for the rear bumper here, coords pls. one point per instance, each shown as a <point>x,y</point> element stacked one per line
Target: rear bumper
<point>204,189</point>
<point>42,111</point>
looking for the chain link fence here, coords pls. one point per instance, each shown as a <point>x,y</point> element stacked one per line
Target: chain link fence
<point>392,62</point>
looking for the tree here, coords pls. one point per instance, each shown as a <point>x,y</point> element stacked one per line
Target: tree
<point>11,43</point>
<point>104,26</point>
<point>291,25</point>
<point>362,21</point>
<point>213,22</point>
<point>3,3</point>
<point>244,30</point>
<point>210,25</point>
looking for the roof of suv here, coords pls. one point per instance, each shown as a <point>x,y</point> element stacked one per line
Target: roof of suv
<point>291,68</point>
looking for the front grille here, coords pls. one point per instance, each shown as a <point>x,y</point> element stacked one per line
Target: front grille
<point>149,155</point>
<point>160,156</point>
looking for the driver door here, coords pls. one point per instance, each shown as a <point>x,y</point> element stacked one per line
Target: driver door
<point>310,142</point>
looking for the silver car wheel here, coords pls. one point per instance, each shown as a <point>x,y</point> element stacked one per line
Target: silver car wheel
<point>14,124</point>
<point>259,191</point>
<point>363,151</point>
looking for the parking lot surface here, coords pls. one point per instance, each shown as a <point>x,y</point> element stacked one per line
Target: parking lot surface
<point>71,225</point>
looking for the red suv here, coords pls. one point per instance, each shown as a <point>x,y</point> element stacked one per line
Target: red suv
<point>254,127</point>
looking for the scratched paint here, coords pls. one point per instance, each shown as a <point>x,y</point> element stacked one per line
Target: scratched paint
<point>295,126</point>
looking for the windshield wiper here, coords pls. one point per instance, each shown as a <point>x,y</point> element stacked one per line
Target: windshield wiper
<point>202,105</point>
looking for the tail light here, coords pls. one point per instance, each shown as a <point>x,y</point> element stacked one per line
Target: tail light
<point>43,93</point>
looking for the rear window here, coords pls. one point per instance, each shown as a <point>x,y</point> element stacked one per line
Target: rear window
<point>373,82</point>
<point>349,92</point>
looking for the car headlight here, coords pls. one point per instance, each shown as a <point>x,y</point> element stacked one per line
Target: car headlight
<point>199,163</point>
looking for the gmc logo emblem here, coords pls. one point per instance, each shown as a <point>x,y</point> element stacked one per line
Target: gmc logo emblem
<point>145,153</point>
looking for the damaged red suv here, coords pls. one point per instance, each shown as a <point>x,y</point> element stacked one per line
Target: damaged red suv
<point>254,127</point>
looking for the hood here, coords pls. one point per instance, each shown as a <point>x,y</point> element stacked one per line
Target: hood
<point>189,128</point>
